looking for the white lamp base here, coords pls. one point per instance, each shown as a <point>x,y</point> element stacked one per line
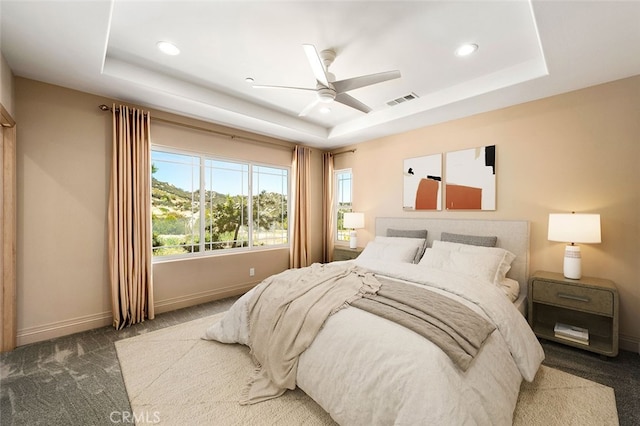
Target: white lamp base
<point>572,262</point>
<point>353,239</point>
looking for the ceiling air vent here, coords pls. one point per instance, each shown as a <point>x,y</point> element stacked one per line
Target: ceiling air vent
<point>411,96</point>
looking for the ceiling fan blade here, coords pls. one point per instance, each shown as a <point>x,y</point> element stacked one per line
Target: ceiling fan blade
<point>265,86</point>
<point>365,80</point>
<point>348,100</point>
<point>308,108</point>
<point>316,64</point>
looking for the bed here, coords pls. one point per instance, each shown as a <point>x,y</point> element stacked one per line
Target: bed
<point>368,368</point>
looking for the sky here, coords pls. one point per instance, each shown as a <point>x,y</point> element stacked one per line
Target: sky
<point>224,177</point>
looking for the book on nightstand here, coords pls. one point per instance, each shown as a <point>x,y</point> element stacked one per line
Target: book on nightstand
<point>571,333</point>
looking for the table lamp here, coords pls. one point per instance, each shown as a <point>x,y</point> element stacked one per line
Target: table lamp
<point>354,221</point>
<point>573,228</point>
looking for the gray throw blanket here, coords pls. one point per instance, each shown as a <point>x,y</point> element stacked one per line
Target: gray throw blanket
<point>452,326</point>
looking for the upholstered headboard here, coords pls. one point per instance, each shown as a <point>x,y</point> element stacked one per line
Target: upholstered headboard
<point>513,235</point>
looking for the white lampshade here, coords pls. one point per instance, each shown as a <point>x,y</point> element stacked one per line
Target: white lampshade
<point>573,228</point>
<point>353,220</point>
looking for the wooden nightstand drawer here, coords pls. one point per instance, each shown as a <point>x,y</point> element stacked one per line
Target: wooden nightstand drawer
<point>580,298</point>
<point>345,253</point>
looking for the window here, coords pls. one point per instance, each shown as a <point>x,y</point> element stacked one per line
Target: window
<point>343,194</point>
<point>201,204</point>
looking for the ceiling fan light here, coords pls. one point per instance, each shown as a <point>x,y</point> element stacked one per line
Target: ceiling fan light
<point>326,95</point>
<point>168,48</point>
<point>466,49</point>
<point>325,110</point>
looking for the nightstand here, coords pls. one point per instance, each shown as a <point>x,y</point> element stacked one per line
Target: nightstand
<point>345,253</point>
<point>589,302</point>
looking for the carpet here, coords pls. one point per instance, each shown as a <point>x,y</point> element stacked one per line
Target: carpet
<point>173,377</point>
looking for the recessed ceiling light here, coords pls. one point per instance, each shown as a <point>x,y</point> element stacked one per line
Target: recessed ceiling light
<point>168,48</point>
<point>249,80</point>
<point>466,49</point>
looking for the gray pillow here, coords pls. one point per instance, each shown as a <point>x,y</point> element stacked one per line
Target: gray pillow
<point>473,240</point>
<point>411,233</point>
<point>407,233</point>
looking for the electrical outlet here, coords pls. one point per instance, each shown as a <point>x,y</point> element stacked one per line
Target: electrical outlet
<point>252,272</point>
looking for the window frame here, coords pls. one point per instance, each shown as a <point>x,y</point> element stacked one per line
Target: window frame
<point>203,157</point>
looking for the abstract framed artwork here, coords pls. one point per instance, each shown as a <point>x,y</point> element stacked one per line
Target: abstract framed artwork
<point>423,183</point>
<point>471,179</point>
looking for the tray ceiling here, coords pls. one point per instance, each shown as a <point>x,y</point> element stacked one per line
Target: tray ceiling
<point>526,51</point>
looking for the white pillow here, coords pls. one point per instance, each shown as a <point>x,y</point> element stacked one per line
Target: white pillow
<point>511,288</point>
<point>419,243</point>
<point>506,257</point>
<point>376,250</point>
<point>477,265</point>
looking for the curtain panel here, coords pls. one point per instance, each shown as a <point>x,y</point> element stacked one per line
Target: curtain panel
<point>301,170</point>
<point>328,217</point>
<point>129,223</point>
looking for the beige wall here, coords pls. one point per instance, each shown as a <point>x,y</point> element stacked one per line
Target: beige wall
<point>63,174</point>
<point>6,86</point>
<point>578,151</point>
<point>62,197</point>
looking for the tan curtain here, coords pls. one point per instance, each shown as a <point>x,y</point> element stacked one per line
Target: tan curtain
<point>328,216</point>
<point>301,169</point>
<point>130,218</point>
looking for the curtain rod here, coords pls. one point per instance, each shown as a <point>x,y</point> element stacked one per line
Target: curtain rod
<point>104,107</point>
<point>348,151</point>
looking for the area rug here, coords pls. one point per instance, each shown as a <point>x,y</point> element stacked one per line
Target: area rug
<point>173,377</point>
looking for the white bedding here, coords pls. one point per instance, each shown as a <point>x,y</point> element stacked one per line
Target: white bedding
<point>363,369</point>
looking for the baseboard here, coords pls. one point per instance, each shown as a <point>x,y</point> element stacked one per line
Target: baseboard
<point>629,343</point>
<point>63,328</point>
<point>90,322</point>
<point>202,297</point>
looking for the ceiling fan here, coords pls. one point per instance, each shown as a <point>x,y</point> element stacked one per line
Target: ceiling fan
<point>327,90</point>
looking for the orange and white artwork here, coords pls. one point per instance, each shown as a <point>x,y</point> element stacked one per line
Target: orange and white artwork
<point>471,179</point>
<point>423,183</point>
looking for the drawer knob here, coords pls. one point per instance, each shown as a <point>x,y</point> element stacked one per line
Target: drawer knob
<point>572,297</point>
